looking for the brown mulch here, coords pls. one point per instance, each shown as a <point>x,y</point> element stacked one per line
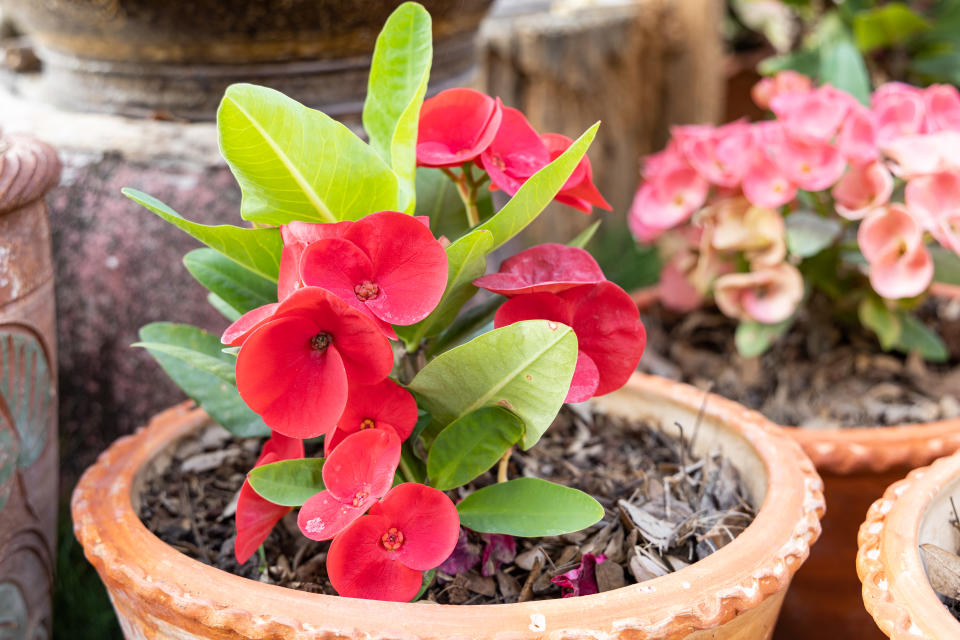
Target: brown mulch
<point>664,509</point>
<point>821,375</point>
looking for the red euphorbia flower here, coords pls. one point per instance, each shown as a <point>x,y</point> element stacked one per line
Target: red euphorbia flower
<point>359,472</point>
<point>456,125</point>
<point>387,265</point>
<point>256,516</point>
<point>380,556</point>
<point>385,405</point>
<point>546,267</point>
<point>293,368</point>
<point>610,335</point>
<point>578,191</point>
<point>516,153</point>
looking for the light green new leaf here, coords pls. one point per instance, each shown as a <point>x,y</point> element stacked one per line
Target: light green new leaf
<point>888,25</point>
<point>525,367</point>
<point>917,337</point>
<point>753,338</point>
<point>289,483</point>
<point>842,66</point>
<point>537,192</point>
<point>471,445</point>
<point>219,398</point>
<point>239,287</point>
<point>256,249</point>
<point>296,163</point>
<point>584,237</point>
<point>875,316</point>
<point>200,361</point>
<point>809,233</point>
<point>398,82</point>
<point>529,507</point>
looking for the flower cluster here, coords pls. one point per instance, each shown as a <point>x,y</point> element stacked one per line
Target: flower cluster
<point>737,209</point>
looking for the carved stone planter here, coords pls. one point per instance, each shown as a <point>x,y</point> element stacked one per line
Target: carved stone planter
<point>28,391</point>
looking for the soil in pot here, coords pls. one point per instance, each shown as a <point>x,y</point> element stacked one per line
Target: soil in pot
<point>821,374</point>
<point>665,509</point>
<point>943,568</point>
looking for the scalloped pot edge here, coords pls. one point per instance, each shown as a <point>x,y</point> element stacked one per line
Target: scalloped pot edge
<point>735,593</point>
<point>866,449</point>
<point>896,591</point>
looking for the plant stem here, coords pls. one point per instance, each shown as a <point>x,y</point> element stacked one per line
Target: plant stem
<point>504,463</point>
<point>467,189</point>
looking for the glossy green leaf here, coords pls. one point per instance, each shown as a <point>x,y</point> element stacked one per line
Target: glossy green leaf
<point>219,398</point>
<point>439,200</point>
<point>875,315</point>
<point>525,367</point>
<point>917,337</point>
<point>239,287</point>
<point>289,483</point>
<point>537,192</point>
<point>225,309</point>
<point>805,61</point>
<point>584,237</point>
<point>256,249</point>
<point>885,26</point>
<point>25,391</point>
<point>946,266</point>
<point>754,338</point>
<point>471,445</point>
<point>842,66</point>
<point>809,233</point>
<point>529,507</point>
<point>296,163</point>
<point>211,364</point>
<point>398,82</point>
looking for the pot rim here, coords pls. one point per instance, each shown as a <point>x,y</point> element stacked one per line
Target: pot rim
<point>868,448</point>
<point>130,558</point>
<point>896,591</point>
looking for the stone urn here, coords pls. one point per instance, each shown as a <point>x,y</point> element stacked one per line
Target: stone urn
<point>28,390</point>
<point>174,59</point>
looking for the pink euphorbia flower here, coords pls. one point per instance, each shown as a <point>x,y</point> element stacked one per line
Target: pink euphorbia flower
<point>546,267</point>
<point>293,368</point>
<point>610,336</point>
<point>385,405</point>
<point>942,103</point>
<point>899,111</point>
<point>783,82</point>
<point>811,116</point>
<point>736,225</point>
<point>862,190</point>
<point>922,154</point>
<point>933,197</point>
<point>892,242</point>
<point>578,191</point>
<point>857,141</point>
<point>355,475</point>
<point>812,166</point>
<point>721,155</point>
<point>765,185</point>
<point>671,192</point>
<point>255,516</point>
<point>516,153</point>
<point>456,126</point>
<point>381,555</point>
<point>676,291</point>
<point>767,295</point>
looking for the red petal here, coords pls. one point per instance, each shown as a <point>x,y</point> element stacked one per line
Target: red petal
<point>289,280</point>
<point>556,145</point>
<point>534,306</point>
<point>334,438</point>
<point>359,567</point>
<point>585,379</point>
<point>428,520</point>
<point>323,516</point>
<point>254,519</point>
<point>363,464</point>
<point>578,191</point>
<point>280,447</point>
<point>409,264</point>
<point>237,333</point>
<point>586,192</point>
<point>546,267</point>
<point>455,126</point>
<point>516,153</point>
<point>384,402</point>
<point>295,389</point>
<point>307,232</point>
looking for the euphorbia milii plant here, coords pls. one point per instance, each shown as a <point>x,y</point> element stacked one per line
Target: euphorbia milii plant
<point>345,319</point>
<point>830,197</point>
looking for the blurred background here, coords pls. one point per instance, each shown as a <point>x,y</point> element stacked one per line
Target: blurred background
<point>126,92</point>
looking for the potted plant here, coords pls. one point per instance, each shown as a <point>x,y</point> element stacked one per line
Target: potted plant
<point>353,322</point>
<point>817,235</point>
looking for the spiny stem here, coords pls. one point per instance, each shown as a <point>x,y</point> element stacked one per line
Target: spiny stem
<point>504,463</point>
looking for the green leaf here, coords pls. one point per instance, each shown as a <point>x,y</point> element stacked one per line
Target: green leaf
<point>239,287</point>
<point>225,309</point>
<point>471,445</point>
<point>946,266</point>
<point>584,237</point>
<point>525,367</point>
<point>219,398</point>
<point>256,249</point>
<point>439,200</point>
<point>537,192</point>
<point>296,163</point>
<point>809,233</point>
<point>466,261</point>
<point>213,365</point>
<point>289,483</point>
<point>918,337</point>
<point>875,315</point>
<point>806,61</point>
<point>886,26</point>
<point>427,581</point>
<point>942,67</point>
<point>842,66</point>
<point>754,338</point>
<point>467,325</point>
<point>528,507</point>
<point>398,82</point>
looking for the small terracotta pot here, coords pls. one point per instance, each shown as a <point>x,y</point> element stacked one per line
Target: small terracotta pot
<point>734,593</point>
<point>856,465</point>
<point>912,512</point>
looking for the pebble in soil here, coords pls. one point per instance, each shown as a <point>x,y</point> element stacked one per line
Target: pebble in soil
<point>665,508</point>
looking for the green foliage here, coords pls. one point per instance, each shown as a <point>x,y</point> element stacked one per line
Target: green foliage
<point>471,445</point>
<point>439,200</point>
<point>296,163</point>
<point>525,367</point>
<point>809,233</point>
<point>754,338</point>
<point>946,266</point>
<point>917,337</point>
<point>528,507</point>
<point>237,286</point>
<point>887,25</point>
<point>289,483</point>
<point>842,65</point>
<point>876,316</point>
<point>584,237</point>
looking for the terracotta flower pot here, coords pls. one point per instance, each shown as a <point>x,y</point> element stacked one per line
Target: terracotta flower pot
<point>896,592</point>
<point>856,465</point>
<point>734,593</point>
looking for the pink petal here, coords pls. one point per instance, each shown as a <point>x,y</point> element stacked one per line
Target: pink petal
<point>905,276</point>
<point>546,267</point>
<point>811,166</point>
<point>888,231</point>
<point>932,197</point>
<point>428,520</point>
<point>516,153</point>
<point>863,189</point>
<point>586,377</point>
<point>455,126</point>
<point>943,108</point>
<point>237,333</point>
<point>765,186</point>
<point>324,516</point>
